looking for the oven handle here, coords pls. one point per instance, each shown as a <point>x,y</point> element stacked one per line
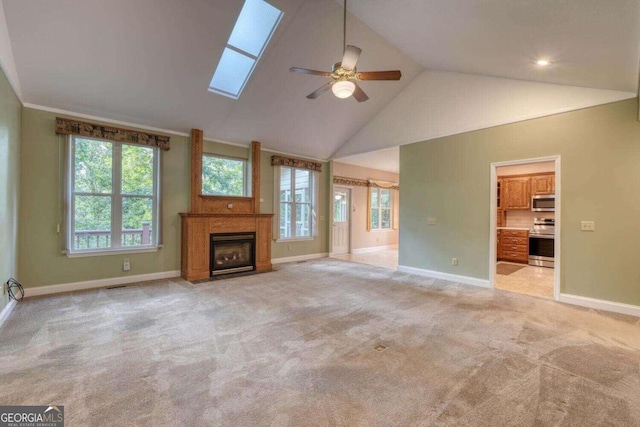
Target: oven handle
<point>541,236</point>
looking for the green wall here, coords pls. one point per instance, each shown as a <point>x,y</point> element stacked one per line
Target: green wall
<point>10,117</point>
<point>449,178</point>
<point>41,261</point>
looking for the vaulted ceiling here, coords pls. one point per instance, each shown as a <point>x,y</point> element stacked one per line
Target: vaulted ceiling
<point>150,62</point>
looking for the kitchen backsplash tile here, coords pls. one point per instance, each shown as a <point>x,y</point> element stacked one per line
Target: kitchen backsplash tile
<point>524,219</point>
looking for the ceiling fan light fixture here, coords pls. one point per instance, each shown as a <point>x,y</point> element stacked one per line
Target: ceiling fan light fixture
<point>343,89</point>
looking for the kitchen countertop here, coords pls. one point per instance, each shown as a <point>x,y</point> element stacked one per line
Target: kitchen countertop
<point>514,228</point>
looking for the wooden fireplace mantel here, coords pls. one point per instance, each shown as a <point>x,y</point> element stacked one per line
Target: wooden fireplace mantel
<point>197,229</point>
<point>221,214</point>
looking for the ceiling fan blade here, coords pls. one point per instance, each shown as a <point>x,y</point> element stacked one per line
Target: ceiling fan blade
<point>350,58</point>
<point>320,91</point>
<point>379,75</point>
<point>312,72</point>
<point>359,94</point>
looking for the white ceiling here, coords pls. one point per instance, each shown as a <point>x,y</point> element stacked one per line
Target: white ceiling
<point>591,43</point>
<point>150,62</point>
<point>443,103</point>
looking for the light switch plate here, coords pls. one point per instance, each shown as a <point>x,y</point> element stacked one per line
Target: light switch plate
<point>431,221</point>
<point>588,226</point>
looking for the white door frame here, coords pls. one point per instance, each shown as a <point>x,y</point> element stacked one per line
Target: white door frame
<point>493,227</point>
<point>349,189</point>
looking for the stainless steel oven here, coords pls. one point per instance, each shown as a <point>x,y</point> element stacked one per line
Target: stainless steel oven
<point>545,203</point>
<point>542,242</point>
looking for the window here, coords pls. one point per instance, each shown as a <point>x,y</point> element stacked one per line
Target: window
<point>380,208</point>
<point>296,203</point>
<point>253,30</point>
<point>223,176</point>
<point>112,201</point>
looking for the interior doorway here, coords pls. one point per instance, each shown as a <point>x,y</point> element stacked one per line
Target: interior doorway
<point>341,243</point>
<point>525,226</point>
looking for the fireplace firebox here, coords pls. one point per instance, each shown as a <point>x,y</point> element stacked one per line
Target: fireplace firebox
<point>232,253</point>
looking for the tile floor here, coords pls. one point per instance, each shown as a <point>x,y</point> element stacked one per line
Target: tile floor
<point>536,281</point>
<point>386,258</point>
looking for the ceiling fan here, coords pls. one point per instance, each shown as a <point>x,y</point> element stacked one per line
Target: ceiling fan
<point>344,73</point>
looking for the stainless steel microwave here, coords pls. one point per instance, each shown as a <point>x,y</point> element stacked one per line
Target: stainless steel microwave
<point>545,203</point>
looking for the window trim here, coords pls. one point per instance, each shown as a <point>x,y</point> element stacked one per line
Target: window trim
<point>380,208</point>
<point>245,177</point>
<point>116,201</point>
<point>313,204</point>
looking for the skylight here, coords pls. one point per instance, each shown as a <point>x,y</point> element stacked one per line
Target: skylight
<point>251,34</point>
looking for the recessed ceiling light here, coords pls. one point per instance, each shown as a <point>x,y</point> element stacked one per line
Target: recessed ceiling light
<point>543,62</point>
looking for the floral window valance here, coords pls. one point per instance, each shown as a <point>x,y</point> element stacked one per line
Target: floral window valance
<point>296,163</point>
<point>75,127</point>
<point>342,180</point>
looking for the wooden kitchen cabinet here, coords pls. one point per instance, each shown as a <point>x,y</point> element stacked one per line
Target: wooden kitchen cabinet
<point>514,246</point>
<point>499,192</point>
<point>543,184</point>
<point>499,249</point>
<point>516,193</point>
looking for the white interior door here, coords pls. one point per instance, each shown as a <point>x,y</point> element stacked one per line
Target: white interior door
<point>341,208</point>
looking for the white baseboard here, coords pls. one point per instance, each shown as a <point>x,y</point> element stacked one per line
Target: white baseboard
<point>445,276</point>
<point>299,258</point>
<point>100,283</point>
<point>6,311</point>
<point>599,304</point>
<point>373,249</point>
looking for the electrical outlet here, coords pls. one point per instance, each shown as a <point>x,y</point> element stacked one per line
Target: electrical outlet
<point>431,221</point>
<point>588,226</point>
<point>454,261</point>
<point>126,265</point>
<point>288,247</point>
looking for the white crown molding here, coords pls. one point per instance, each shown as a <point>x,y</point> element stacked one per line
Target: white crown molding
<point>299,258</point>
<point>437,104</point>
<point>220,141</point>
<point>151,128</point>
<point>599,304</point>
<point>100,283</point>
<point>6,311</point>
<point>466,280</point>
<point>103,119</point>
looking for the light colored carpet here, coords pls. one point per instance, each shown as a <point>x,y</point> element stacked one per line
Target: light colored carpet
<point>297,347</point>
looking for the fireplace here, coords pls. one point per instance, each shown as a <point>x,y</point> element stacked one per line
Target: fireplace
<point>232,253</point>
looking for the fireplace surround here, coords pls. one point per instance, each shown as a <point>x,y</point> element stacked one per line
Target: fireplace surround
<point>221,215</point>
